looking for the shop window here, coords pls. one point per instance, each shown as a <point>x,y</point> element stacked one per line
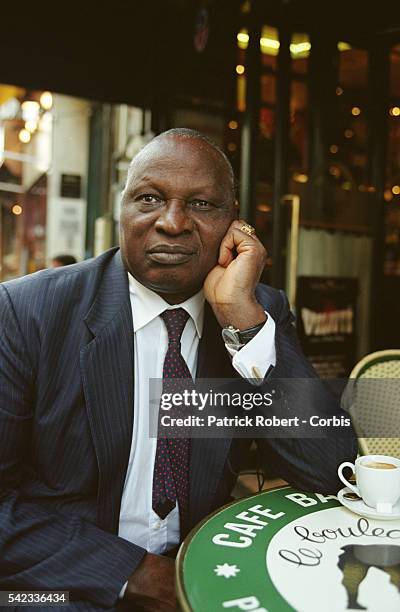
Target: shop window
<point>269,46</point>
<point>300,48</point>
<point>298,175</point>
<point>392,190</point>
<point>346,172</point>
<point>25,143</point>
<point>74,208</point>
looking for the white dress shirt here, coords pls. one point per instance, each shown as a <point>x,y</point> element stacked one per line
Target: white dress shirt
<point>138,523</point>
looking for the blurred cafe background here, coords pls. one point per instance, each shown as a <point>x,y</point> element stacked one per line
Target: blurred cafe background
<point>304,98</point>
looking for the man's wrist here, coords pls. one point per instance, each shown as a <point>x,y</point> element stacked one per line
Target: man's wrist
<point>255,360</point>
<point>236,339</point>
<point>241,316</point>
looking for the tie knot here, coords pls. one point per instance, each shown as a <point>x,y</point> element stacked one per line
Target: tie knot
<point>175,321</point>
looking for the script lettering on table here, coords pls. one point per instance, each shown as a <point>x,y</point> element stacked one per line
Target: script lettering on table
<point>311,557</point>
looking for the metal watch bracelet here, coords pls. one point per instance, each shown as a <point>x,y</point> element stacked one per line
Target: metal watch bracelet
<point>248,334</point>
<point>238,338</point>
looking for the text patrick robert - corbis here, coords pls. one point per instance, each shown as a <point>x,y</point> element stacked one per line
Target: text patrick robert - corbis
<point>191,408</point>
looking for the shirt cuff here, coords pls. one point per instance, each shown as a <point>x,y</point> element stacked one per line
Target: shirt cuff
<point>122,592</point>
<point>258,355</point>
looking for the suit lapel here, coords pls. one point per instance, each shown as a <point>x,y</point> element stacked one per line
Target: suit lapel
<point>107,374</point>
<point>208,455</point>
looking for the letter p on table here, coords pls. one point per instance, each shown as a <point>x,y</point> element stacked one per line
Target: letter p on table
<point>244,603</point>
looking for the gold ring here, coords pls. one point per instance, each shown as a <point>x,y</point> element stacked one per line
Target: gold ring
<point>248,229</point>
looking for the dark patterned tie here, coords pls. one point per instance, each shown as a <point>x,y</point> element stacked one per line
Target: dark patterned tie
<point>171,467</point>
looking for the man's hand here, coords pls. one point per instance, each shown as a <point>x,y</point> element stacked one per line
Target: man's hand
<point>230,286</point>
<point>151,588</point>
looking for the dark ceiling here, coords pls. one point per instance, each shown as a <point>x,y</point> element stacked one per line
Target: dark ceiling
<point>142,51</point>
<point>353,19</point>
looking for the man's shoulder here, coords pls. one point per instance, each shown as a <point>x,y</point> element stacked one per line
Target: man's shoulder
<point>61,283</point>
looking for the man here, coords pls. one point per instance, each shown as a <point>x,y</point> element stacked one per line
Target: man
<point>88,501</point>
<point>62,260</point>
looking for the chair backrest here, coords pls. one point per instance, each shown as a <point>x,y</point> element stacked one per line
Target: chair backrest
<point>375,403</point>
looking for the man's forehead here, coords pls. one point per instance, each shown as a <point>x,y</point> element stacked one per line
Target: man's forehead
<point>183,152</point>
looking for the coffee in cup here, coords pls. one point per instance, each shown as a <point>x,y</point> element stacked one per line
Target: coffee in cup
<point>379,465</point>
<point>378,480</point>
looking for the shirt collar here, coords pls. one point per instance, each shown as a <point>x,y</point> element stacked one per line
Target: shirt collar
<point>147,305</point>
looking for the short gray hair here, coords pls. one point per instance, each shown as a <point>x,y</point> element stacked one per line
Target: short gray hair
<point>188,133</point>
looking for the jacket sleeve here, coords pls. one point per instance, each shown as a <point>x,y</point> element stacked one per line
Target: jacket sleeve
<point>308,461</point>
<point>39,549</point>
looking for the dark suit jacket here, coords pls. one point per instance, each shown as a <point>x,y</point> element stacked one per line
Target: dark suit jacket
<point>66,418</point>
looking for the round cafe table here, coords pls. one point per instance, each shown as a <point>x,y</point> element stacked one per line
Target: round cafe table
<point>284,549</point>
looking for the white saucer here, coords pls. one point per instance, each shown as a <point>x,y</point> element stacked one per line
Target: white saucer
<point>359,507</point>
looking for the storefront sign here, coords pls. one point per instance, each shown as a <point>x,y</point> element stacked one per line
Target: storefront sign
<point>326,323</point>
<point>70,186</point>
<point>67,228</point>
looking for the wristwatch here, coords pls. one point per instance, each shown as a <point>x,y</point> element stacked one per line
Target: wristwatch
<point>236,338</point>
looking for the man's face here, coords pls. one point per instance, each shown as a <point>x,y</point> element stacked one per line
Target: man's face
<point>176,208</point>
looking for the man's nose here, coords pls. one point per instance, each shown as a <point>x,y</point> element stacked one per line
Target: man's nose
<point>174,218</point>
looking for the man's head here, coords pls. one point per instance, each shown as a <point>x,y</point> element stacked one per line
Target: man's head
<point>177,205</point>
<point>62,260</point>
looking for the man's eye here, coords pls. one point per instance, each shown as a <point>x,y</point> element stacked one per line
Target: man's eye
<point>148,198</point>
<point>201,204</point>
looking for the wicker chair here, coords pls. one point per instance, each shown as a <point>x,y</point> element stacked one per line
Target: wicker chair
<point>372,397</point>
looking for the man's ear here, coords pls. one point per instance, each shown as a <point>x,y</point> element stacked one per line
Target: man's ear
<point>237,209</point>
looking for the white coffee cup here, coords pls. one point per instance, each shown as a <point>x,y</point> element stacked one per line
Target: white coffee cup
<point>378,480</point>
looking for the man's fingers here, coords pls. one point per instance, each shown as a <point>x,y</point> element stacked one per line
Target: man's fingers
<point>153,579</point>
<point>237,239</point>
<point>226,250</point>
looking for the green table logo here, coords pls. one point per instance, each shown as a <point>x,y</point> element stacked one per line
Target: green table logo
<point>289,550</point>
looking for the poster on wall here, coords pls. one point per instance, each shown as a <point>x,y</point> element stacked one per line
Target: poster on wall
<point>326,310</point>
<point>69,222</point>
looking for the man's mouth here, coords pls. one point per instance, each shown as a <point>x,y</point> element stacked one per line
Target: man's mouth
<point>170,254</point>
